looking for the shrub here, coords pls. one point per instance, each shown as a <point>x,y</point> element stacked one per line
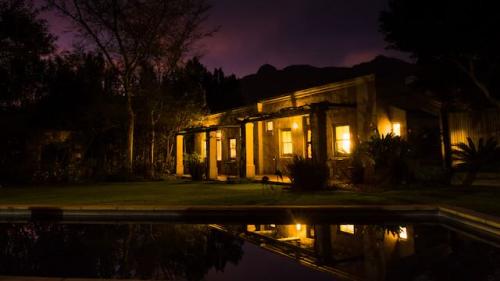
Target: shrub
<point>389,156</point>
<point>196,167</point>
<point>307,174</point>
<point>473,158</point>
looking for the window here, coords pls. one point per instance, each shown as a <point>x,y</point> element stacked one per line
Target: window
<point>219,145</point>
<point>232,148</point>
<point>403,233</point>
<point>396,129</point>
<point>347,228</point>
<point>269,126</point>
<point>286,142</point>
<point>342,140</point>
<point>309,144</point>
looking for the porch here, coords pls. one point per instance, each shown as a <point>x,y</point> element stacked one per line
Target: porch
<point>264,144</point>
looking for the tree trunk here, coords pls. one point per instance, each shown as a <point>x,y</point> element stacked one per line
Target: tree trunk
<point>130,136</point>
<point>152,135</point>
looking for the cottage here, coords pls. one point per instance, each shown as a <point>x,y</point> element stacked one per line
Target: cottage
<point>323,123</point>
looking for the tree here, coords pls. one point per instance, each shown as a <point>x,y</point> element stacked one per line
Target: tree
<point>24,41</point>
<point>461,33</point>
<point>132,32</point>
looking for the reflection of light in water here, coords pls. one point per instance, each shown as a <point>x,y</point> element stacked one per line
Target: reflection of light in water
<point>403,234</point>
<point>298,226</point>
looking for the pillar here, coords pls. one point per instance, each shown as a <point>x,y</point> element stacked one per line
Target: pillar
<point>212,155</point>
<point>260,147</point>
<point>179,155</point>
<point>318,133</point>
<point>249,157</point>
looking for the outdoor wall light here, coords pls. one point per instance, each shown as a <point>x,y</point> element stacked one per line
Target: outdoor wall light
<point>295,125</point>
<point>298,226</point>
<point>403,234</point>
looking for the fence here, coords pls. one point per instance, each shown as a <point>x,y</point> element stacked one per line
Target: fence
<point>474,124</point>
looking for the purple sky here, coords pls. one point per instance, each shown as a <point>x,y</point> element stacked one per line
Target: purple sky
<point>284,32</point>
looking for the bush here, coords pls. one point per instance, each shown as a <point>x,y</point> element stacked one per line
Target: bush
<point>196,167</point>
<point>473,158</point>
<point>389,156</point>
<point>307,174</point>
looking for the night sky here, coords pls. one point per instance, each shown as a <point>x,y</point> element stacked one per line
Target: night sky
<point>283,32</point>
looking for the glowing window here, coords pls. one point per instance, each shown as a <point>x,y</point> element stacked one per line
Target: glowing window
<point>309,144</point>
<point>347,228</point>
<point>403,234</point>
<point>269,126</point>
<point>232,148</point>
<point>286,142</point>
<point>342,140</point>
<point>219,145</point>
<point>396,129</point>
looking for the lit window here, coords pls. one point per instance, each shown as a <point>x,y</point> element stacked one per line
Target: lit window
<point>403,234</point>
<point>203,146</point>
<point>219,145</point>
<point>396,129</point>
<point>347,228</point>
<point>342,140</point>
<point>269,126</point>
<point>286,142</point>
<point>309,144</point>
<point>232,148</point>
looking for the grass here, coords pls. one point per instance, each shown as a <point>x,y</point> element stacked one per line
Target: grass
<point>183,192</point>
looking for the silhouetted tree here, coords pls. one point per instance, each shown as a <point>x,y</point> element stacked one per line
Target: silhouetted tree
<point>24,41</point>
<point>132,32</point>
<point>460,33</point>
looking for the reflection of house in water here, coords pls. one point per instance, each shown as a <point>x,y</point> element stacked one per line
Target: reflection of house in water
<point>348,251</point>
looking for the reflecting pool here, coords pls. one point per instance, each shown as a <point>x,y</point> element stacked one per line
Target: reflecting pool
<point>181,251</point>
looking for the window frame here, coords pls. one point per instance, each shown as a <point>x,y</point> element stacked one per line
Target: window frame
<point>282,143</point>
<point>337,142</point>
<point>231,149</point>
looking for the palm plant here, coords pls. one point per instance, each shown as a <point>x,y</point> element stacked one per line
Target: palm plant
<point>473,158</point>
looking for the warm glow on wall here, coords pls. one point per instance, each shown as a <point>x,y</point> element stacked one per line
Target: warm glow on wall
<point>295,125</point>
<point>403,234</point>
<point>298,226</point>
<point>347,228</point>
<point>343,139</point>
<point>396,129</point>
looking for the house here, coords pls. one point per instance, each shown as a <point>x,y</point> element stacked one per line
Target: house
<point>324,123</point>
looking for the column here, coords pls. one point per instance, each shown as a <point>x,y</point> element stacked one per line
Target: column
<point>318,133</point>
<point>212,155</point>
<point>260,146</point>
<point>249,159</point>
<point>179,155</point>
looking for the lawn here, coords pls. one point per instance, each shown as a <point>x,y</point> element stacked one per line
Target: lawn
<point>184,192</point>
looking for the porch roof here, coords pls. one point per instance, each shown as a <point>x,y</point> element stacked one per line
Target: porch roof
<point>284,112</point>
<point>295,111</point>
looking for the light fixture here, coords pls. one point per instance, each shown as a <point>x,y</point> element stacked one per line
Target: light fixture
<point>403,233</point>
<point>295,125</point>
<point>269,125</point>
<point>298,226</point>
